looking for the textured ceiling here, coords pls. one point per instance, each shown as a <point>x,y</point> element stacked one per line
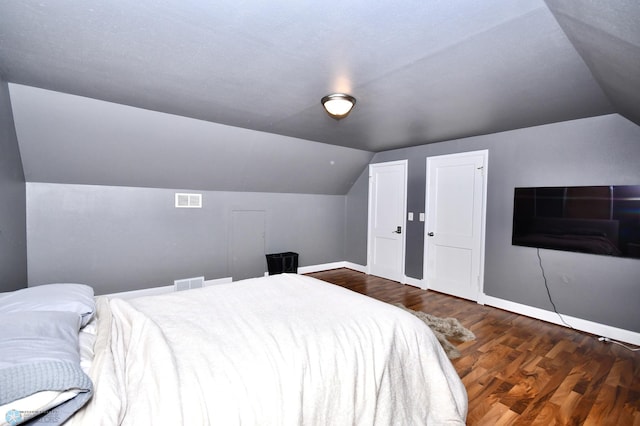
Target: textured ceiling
<point>607,36</point>
<point>422,71</point>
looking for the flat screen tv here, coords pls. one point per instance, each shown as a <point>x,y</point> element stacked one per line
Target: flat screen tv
<point>588,219</point>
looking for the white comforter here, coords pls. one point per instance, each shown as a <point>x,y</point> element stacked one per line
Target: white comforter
<point>280,350</point>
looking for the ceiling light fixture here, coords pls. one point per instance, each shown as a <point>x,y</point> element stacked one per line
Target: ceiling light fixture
<point>338,105</point>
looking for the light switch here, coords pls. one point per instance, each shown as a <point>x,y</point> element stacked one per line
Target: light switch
<point>421,217</point>
<point>410,216</point>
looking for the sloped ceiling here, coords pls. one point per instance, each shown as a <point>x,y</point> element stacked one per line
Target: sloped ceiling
<point>76,140</point>
<point>422,71</point>
<point>607,36</point>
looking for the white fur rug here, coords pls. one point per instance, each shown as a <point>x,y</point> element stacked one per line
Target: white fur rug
<point>444,328</point>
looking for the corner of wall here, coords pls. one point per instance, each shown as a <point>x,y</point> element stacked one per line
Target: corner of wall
<point>13,210</point>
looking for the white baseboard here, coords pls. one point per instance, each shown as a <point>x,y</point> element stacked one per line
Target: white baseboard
<point>355,267</point>
<point>613,333</point>
<point>328,266</point>
<point>321,267</point>
<point>170,288</point>
<point>217,281</point>
<point>153,291</point>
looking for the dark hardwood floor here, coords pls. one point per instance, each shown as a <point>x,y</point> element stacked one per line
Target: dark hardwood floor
<point>522,371</point>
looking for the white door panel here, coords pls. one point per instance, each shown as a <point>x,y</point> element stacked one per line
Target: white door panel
<point>454,209</point>
<point>387,206</point>
<point>452,264</point>
<point>455,221</point>
<point>386,257</point>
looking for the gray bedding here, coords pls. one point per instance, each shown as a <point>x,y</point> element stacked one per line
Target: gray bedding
<point>25,379</point>
<point>40,353</point>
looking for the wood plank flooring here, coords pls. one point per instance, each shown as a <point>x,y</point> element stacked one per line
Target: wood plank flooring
<point>522,371</point>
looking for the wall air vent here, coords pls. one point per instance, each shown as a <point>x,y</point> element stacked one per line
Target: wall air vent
<point>188,201</point>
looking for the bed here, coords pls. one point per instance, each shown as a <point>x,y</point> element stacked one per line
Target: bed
<point>280,350</point>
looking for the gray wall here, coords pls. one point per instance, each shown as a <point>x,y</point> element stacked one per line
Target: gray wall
<point>13,238</point>
<point>357,204</point>
<point>124,238</point>
<point>595,151</point>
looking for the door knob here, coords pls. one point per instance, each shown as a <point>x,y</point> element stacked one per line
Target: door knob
<point>398,230</point>
<point>430,234</point>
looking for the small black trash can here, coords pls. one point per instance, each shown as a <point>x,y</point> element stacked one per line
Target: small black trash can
<point>278,263</point>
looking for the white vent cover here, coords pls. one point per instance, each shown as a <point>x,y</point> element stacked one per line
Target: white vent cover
<point>188,283</point>
<point>188,201</point>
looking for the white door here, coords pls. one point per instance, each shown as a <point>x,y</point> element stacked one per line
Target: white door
<point>387,207</point>
<point>454,229</point>
<point>247,253</point>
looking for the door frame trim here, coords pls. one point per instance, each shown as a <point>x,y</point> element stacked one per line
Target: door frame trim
<point>405,164</point>
<point>485,154</point>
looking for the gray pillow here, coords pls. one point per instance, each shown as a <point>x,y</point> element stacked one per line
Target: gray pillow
<point>77,298</point>
<point>39,336</point>
<point>40,368</point>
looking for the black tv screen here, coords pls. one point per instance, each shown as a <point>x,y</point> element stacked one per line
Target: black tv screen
<point>587,219</point>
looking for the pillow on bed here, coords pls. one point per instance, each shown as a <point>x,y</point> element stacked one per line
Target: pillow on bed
<point>77,298</point>
<point>40,366</point>
<point>38,336</point>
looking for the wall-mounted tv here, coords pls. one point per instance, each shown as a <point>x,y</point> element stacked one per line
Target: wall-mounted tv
<point>588,219</point>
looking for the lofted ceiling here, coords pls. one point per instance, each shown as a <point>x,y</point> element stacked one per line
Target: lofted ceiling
<point>422,71</point>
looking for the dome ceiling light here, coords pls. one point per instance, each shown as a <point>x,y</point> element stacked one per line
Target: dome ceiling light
<point>338,105</point>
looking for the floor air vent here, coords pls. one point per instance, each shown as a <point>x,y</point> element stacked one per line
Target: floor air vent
<point>188,283</point>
